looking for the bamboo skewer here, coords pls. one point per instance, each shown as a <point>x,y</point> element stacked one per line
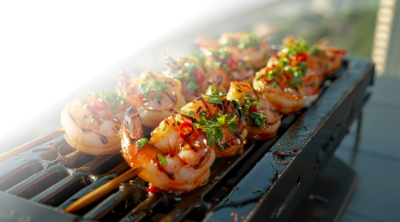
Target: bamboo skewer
<point>32,144</point>
<point>102,191</point>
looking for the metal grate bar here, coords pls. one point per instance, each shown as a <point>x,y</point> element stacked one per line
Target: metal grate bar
<point>103,179</point>
<point>59,192</point>
<point>108,204</point>
<point>144,208</point>
<point>39,182</point>
<point>21,173</point>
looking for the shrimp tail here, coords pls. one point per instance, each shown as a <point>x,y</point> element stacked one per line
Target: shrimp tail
<point>172,65</point>
<point>133,124</point>
<point>123,82</point>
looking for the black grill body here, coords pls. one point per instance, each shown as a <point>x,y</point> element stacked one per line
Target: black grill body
<point>261,183</point>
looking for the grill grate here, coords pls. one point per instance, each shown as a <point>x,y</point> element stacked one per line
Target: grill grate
<point>235,183</point>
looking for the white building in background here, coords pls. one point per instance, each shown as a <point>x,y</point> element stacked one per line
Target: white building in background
<point>386,48</point>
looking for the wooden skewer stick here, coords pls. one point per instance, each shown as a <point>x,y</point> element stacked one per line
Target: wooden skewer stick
<point>32,144</point>
<point>102,191</point>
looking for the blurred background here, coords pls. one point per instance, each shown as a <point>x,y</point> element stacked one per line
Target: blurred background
<point>50,52</point>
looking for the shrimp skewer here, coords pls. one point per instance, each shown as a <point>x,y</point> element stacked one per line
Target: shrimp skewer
<point>155,96</point>
<point>221,120</point>
<point>193,74</point>
<point>262,121</point>
<point>165,163</point>
<point>228,66</point>
<point>245,46</point>
<point>272,84</point>
<point>92,122</point>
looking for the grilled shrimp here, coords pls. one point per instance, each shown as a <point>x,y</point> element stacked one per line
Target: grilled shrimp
<point>175,158</point>
<point>272,84</point>
<point>156,96</point>
<point>91,123</point>
<point>228,66</point>
<point>221,120</point>
<point>262,121</point>
<point>244,46</point>
<point>330,58</point>
<point>301,67</point>
<point>194,76</point>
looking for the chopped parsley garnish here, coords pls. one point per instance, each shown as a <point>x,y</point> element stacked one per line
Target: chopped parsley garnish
<point>215,101</point>
<point>158,96</point>
<point>142,142</point>
<point>316,51</point>
<point>192,86</point>
<point>107,96</point>
<point>213,128</point>
<point>214,97</point>
<point>203,113</point>
<point>256,119</point>
<point>189,113</point>
<point>152,86</point>
<point>82,117</point>
<point>90,120</point>
<point>198,58</point>
<point>113,98</point>
<point>300,45</point>
<point>165,126</point>
<point>254,102</point>
<point>212,92</point>
<point>162,159</point>
<point>249,40</point>
<point>188,73</point>
<point>221,54</point>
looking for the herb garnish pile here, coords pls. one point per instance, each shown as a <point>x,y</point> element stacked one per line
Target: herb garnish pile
<point>255,118</point>
<point>154,86</point>
<point>188,70</point>
<point>107,96</point>
<point>213,125</point>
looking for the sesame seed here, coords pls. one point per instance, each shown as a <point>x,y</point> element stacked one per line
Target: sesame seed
<point>205,141</point>
<point>100,100</point>
<point>238,141</point>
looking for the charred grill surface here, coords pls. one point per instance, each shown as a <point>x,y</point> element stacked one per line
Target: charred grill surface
<point>267,181</point>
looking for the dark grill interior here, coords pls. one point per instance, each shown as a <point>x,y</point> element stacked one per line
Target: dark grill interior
<point>240,184</point>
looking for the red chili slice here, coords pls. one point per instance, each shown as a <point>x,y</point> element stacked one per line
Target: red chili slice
<point>185,130</point>
<point>140,95</point>
<point>53,148</point>
<point>199,77</point>
<point>253,109</point>
<point>232,64</point>
<point>153,190</point>
<point>97,105</point>
<point>300,57</point>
